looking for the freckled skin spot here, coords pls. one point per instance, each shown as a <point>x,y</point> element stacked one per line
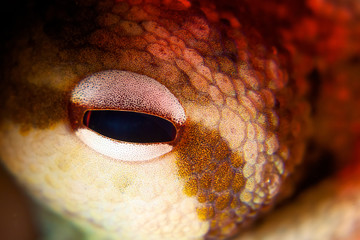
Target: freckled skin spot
<point>237,182</point>
<point>222,201</point>
<point>191,187</point>
<point>205,181</point>
<point>204,160</point>
<point>205,213</point>
<point>222,177</point>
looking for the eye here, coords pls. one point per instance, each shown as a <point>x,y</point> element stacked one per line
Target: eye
<point>126,116</point>
<point>130,126</point>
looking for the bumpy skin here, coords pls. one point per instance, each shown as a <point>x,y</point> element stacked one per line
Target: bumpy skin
<point>246,76</point>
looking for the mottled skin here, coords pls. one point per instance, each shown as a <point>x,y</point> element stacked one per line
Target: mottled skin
<point>246,75</point>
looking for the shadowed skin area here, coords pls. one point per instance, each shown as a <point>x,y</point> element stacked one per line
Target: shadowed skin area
<point>246,90</point>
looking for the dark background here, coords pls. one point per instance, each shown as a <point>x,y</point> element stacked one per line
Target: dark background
<point>16,221</point>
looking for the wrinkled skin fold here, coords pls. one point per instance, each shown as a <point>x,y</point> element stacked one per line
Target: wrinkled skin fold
<point>263,97</point>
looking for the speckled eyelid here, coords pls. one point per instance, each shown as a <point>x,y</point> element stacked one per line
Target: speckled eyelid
<point>123,91</point>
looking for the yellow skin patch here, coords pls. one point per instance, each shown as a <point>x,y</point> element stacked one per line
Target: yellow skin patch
<point>235,156</point>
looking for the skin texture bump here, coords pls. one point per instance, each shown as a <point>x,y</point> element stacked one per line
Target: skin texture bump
<point>259,125</point>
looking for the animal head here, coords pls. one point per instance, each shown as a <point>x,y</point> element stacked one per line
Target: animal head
<point>151,121</point>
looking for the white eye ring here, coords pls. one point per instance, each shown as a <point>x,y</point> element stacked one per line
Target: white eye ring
<point>122,150</point>
<point>123,91</point>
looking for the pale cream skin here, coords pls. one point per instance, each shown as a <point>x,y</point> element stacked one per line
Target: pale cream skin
<point>115,190</point>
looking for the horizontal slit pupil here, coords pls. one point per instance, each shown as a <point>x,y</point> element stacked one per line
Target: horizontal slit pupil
<point>130,126</point>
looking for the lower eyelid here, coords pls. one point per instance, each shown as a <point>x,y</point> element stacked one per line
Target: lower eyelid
<point>123,151</point>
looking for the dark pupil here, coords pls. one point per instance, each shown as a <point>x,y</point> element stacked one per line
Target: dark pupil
<point>130,126</point>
